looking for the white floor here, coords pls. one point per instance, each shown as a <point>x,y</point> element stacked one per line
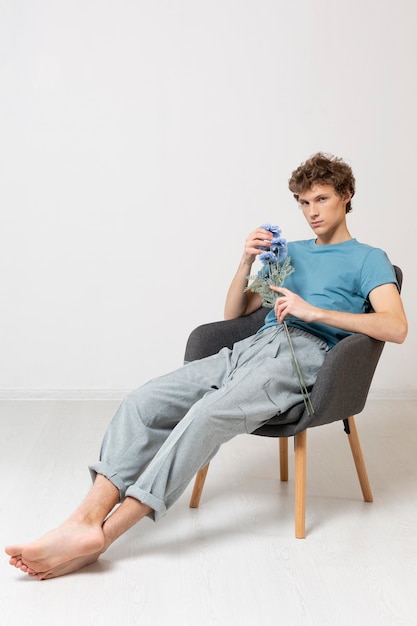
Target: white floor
<point>235,560</point>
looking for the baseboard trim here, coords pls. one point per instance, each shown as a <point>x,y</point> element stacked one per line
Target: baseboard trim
<point>114,395</point>
<point>392,394</point>
<point>63,394</point>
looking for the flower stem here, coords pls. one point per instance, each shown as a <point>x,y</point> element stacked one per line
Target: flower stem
<point>306,396</point>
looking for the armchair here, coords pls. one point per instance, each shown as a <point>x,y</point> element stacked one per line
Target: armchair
<point>339,393</point>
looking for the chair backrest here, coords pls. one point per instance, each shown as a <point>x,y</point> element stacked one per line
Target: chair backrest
<point>399,276</point>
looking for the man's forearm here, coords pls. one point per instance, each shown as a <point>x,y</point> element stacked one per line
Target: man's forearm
<point>387,323</point>
<point>384,326</point>
<point>238,301</point>
<point>236,298</point>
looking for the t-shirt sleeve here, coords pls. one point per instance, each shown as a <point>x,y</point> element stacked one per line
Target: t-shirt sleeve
<point>377,270</point>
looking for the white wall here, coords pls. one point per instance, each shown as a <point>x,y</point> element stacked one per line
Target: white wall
<point>140,143</point>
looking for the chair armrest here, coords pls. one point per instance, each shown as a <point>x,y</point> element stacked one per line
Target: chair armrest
<point>340,390</point>
<point>208,339</point>
<point>343,382</point>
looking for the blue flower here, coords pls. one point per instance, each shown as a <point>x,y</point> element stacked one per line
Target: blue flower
<point>275,230</point>
<point>268,257</point>
<point>280,248</point>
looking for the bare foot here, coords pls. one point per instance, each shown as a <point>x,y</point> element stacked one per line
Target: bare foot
<point>66,568</point>
<point>71,542</point>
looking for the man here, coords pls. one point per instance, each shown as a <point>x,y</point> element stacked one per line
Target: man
<point>171,427</point>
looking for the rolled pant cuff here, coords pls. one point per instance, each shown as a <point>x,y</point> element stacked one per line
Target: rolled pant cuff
<point>158,506</point>
<point>108,472</point>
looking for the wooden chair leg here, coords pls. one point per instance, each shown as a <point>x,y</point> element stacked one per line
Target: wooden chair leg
<point>300,442</point>
<point>198,487</point>
<point>283,458</point>
<point>359,460</point>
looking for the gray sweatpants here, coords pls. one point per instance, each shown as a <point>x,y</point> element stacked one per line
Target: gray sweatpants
<point>169,428</point>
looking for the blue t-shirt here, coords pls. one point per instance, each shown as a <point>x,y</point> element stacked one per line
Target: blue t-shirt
<point>336,277</point>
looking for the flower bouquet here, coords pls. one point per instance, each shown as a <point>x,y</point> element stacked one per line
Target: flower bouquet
<point>276,266</point>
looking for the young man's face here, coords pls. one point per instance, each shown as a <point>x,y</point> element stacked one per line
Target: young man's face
<point>325,211</point>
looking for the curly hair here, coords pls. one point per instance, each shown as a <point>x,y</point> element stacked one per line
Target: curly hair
<point>323,169</point>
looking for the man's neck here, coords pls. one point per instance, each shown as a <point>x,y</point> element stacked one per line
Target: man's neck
<point>334,238</point>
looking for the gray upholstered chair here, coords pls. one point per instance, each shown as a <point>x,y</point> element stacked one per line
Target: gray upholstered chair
<point>339,393</point>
